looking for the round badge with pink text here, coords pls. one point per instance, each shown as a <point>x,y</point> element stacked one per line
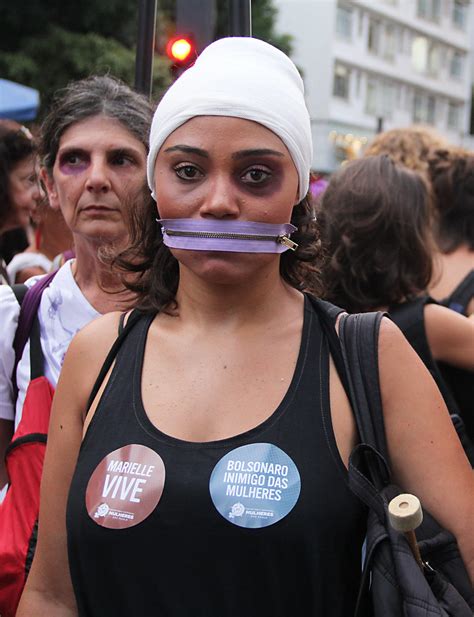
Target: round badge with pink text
<point>126,487</point>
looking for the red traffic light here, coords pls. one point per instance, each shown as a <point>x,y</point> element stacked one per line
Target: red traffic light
<point>180,49</point>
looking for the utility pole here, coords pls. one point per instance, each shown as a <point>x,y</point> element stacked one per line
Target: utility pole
<point>145,47</point>
<point>240,17</point>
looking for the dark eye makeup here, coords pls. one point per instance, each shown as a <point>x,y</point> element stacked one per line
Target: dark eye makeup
<point>188,172</point>
<point>256,176</point>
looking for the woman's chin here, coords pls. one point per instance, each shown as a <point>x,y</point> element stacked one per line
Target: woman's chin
<point>223,268</point>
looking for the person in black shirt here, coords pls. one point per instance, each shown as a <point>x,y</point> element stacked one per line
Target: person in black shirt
<point>211,479</point>
<point>383,214</point>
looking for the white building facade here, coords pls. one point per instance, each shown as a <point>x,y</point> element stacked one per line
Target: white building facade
<point>380,64</point>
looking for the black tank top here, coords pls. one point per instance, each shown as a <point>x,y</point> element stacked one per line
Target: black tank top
<point>461,382</point>
<point>459,398</point>
<point>260,524</point>
<point>410,318</point>
<point>459,299</point>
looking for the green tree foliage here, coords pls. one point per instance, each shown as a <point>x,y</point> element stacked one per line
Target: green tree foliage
<point>47,43</point>
<point>50,61</point>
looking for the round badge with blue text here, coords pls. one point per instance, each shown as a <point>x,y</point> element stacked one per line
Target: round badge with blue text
<point>255,486</point>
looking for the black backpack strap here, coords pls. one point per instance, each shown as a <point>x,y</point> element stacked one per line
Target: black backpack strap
<point>359,335</point>
<point>20,291</point>
<point>134,317</point>
<point>36,353</point>
<point>355,355</point>
<point>328,314</point>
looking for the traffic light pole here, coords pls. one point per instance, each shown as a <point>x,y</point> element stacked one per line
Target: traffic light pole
<point>240,18</point>
<point>145,46</point>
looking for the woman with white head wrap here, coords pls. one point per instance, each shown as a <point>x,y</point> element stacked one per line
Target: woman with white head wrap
<point>211,478</point>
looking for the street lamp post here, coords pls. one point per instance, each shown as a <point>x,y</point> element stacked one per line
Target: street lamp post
<point>240,18</point>
<point>145,47</point>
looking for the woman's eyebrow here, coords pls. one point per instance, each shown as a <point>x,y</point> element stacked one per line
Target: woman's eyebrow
<point>125,151</point>
<point>188,150</point>
<point>256,152</point>
<point>69,149</point>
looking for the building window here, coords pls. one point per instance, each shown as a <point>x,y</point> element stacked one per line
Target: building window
<point>425,56</point>
<point>387,98</point>
<point>456,65</point>
<point>382,39</point>
<point>361,22</point>
<point>380,97</point>
<point>371,97</point>
<point>344,22</point>
<point>375,36</point>
<point>454,114</point>
<point>390,42</point>
<point>419,53</point>
<point>341,81</point>
<point>424,108</point>
<point>429,9</point>
<point>459,14</point>
<point>434,60</point>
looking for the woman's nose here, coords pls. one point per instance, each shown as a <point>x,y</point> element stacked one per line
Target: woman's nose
<point>220,199</point>
<point>97,177</point>
<point>36,193</point>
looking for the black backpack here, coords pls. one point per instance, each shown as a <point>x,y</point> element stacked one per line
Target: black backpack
<point>393,584</point>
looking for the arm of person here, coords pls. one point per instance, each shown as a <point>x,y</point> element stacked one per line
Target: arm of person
<point>9,312</point>
<point>426,456</point>
<point>49,590</point>
<point>450,336</point>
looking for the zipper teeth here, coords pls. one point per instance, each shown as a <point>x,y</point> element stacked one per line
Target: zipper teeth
<point>223,235</point>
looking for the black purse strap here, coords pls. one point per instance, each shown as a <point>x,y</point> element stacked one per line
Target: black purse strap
<point>123,331</point>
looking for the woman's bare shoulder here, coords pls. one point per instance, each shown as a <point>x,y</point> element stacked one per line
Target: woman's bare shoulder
<point>100,331</point>
<point>90,346</point>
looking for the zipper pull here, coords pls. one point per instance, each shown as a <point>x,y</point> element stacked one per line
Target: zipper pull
<point>287,242</point>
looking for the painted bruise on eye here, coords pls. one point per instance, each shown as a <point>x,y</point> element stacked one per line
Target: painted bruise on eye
<point>72,169</point>
<point>125,487</point>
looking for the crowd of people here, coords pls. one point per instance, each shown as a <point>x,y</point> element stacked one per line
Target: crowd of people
<point>174,256</point>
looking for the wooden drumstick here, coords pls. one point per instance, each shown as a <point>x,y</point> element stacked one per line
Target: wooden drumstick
<point>405,515</point>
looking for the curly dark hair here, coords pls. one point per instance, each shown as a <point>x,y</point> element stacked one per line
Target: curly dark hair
<point>452,178</point>
<point>375,221</point>
<point>157,271</point>
<point>16,145</point>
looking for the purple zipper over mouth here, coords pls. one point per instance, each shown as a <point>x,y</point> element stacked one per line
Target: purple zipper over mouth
<point>227,236</point>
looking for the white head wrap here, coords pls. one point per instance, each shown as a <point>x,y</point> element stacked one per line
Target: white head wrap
<point>244,78</point>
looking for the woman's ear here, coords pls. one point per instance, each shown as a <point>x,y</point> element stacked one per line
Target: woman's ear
<point>297,200</point>
<point>50,188</point>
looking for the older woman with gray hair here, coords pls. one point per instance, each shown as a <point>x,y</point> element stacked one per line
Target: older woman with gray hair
<point>93,164</point>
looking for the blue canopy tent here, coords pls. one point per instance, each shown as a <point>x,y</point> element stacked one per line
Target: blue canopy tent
<point>18,102</point>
